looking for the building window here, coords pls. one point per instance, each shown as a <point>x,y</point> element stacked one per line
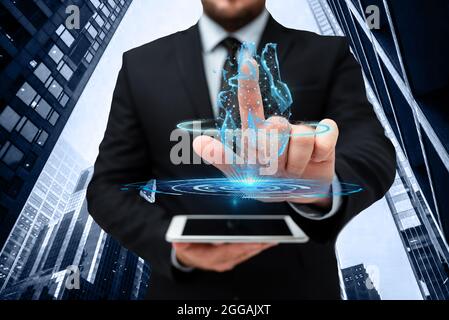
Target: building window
<point>95,46</point>
<point>112,3</point>
<point>89,56</point>
<point>9,118</point>
<point>55,53</point>
<point>63,100</point>
<point>67,38</point>
<point>41,188</point>
<point>106,11</point>
<point>48,82</point>
<point>11,155</point>
<point>42,72</point>
<point>55,89</point>
<point>43,136</point>
<point>54,118</point>
<point>26,93</point>
<point>29,131</point>
<point>91,30</point>
<point>60,29</point>
<point>65,71</point>
<point>95,3</point>
<point>65,35</point>
<point>99,20</point>
<point>43,108</point>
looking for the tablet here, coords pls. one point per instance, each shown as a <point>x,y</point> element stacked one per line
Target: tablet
<point>235,228</point>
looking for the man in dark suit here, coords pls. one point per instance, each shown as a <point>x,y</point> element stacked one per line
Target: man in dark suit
<point>174,79</point>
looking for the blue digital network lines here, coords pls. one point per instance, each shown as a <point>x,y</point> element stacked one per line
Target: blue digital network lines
<point>247,188</point>
<point>243,181</point>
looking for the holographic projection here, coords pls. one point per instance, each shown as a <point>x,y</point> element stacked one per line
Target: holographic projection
<point>248,139</point>
<point>260,189</point>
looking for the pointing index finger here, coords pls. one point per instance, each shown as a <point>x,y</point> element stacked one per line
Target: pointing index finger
<point>249,96</point>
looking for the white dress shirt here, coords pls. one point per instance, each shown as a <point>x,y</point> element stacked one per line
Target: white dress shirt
<point>214,57</point>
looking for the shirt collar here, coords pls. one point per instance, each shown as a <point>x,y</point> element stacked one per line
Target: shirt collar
<point>212,33</point>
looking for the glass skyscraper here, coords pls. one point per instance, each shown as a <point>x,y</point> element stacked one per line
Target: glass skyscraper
<point>358,285</point>
<point>45,64</point>
<point>46,60</point>
<point>47,203</point>
<point>105,269</point>
<point>405,65</point>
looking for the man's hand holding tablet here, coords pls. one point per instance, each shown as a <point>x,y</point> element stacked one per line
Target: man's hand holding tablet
<point>306,157</point>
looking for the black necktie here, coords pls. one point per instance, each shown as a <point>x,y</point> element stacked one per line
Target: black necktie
<point>230,69</point>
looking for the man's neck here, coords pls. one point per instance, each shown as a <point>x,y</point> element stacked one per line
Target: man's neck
<point>232,26</point>
<point>212,33</point>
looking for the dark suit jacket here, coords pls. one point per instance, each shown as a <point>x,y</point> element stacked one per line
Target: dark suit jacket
<point>163,83</point>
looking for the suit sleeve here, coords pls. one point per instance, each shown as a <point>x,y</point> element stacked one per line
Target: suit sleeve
<point>364,155</point>
<point>124,158</point>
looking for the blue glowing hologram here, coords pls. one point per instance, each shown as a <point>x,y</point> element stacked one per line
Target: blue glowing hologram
<point>245,180</point>
<point>255,130</point>
<point>248,188</point>
<point>276,96</point>
<point>147,193</point>
<point>207,127</point>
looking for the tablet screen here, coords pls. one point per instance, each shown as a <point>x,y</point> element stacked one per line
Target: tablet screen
<point>236,227</point>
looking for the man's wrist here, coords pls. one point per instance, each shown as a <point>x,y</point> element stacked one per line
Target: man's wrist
<point>318,211</point>
<point>177,264</point>
<point>323,204</point>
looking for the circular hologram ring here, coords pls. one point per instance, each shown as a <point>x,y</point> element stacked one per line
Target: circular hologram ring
<point>258,188</point>
<point>209,127</point>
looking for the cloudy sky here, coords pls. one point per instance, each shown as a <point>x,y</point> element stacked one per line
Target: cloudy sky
<point>371,238</point>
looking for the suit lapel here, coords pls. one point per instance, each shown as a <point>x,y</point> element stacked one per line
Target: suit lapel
<point>190,62</point>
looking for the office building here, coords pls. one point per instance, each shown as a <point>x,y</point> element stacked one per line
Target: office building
<point>76,243</point>
<point>358,284</point>
<point>46,203</point>
<point>408,86</point>
<point>46,59</point>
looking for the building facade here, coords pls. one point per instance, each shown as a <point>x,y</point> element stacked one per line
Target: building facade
<point>48,51</point>
<point>407,85</point>
<point>75,247</point>
<point>46,203</point>
<point>358,284</point>
<point>46,59</point>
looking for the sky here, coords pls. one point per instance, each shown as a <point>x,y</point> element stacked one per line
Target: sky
<point>371,238</point>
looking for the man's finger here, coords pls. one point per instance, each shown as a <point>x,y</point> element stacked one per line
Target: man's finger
<point>245,255</point>
<point>190,246</point>
<point>300,149</point>
<point>274,146</point>
<point>251,253</point>
<point>231,251</point>
<point>249,96</point>
<point>214,152</point>
<point>325,143</point>
<point>180,245</point>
